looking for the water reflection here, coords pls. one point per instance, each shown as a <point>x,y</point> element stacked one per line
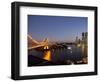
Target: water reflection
<point>64,56</point>
<point>47,55</point>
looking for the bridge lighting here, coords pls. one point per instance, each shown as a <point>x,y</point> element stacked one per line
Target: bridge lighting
<point>46,47</point>
<point>32,44</point>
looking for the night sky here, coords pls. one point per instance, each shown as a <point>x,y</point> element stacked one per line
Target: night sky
<point>56,28</point>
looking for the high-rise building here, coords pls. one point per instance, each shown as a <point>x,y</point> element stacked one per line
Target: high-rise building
<point>82,35</point>
<point>76,39</point>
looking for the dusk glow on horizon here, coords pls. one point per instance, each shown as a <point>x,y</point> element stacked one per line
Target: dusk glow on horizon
<point>56,28</point>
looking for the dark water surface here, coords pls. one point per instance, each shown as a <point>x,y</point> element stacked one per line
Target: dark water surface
<point>73,53</point>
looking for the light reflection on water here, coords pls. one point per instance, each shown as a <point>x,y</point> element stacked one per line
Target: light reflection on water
<point>73,54</point>
<point>47,55</point>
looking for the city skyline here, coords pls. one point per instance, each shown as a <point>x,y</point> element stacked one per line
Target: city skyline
<point>56,28</point>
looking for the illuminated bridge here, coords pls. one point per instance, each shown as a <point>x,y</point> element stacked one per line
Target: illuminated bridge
<point>35,44</point>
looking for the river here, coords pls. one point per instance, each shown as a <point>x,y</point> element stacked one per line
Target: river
<point>58,56</point>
